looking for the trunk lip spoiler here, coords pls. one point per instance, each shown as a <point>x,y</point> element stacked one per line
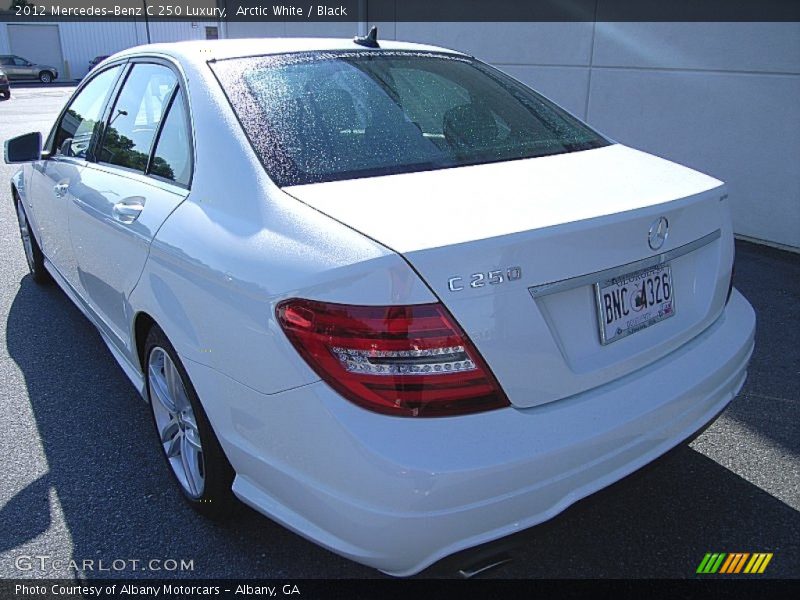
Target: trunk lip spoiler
<point>554,287</point>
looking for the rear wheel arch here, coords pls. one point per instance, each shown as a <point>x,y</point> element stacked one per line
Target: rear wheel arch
<point>142,325</point>
<point>214,497</point>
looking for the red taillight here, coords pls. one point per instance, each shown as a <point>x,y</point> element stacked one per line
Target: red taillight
<point>410,361</point>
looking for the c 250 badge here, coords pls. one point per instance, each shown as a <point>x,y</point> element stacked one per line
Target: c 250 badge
<point>478,280</point>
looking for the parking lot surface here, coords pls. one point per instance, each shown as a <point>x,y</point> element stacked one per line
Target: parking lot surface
<point>81,477</point>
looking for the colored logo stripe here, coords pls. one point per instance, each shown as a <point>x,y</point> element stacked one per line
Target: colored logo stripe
<point>758,563</point>
<point>711,563</point>
<point>723,563</point>
<point>734,563</point>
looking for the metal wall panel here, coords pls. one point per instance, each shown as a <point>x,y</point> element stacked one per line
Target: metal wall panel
<point>82,41</point>
<point>37,43</point>
<point>719,97</point>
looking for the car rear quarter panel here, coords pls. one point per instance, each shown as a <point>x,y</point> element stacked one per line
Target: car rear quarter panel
<point>239,245</point>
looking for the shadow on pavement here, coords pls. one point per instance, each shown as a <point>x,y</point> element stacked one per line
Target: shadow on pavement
<point>770,400</point>
<point>26,515</point>
<point>656,523</point>
<point>119,502</point>
<point>116,495</point>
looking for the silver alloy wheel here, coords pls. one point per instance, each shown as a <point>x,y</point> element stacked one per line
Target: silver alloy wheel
<point>175,422</point>
<point>45,77</point>
<point>25,234</point>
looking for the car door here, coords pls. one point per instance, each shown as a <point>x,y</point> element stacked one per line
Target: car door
<point>141,174</point>
<point>55,178</point>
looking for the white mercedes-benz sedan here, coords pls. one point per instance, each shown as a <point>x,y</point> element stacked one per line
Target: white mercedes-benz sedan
<point>382,292</point>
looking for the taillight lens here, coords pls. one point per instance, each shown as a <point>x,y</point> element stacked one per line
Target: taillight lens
<point>410,361</point>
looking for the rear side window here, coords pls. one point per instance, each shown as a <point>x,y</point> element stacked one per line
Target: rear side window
<point>135,118</point>
<point>172,159</point>
<point>80,121</point>
<point>328,116</point>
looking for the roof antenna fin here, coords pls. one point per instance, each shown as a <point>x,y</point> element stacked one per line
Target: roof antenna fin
<point>370,40</point>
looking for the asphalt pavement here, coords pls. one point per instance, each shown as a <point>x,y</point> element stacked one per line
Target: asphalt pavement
<point>81,478</point>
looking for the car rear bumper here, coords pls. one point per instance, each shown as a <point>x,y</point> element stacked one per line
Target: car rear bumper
<point>399,494</point>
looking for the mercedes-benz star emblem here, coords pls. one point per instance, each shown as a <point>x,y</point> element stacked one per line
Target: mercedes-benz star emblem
<point>658,233</point>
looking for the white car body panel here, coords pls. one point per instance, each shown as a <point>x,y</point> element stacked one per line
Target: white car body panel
<point>445,208</point>
<point>110,256</point>
<point>399,494</point>
<point>549,216</point>
<point>50,215</point>
<point>395,493</point>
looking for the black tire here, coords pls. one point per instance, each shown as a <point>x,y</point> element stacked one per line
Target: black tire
<point>46,77</point>
<point>35,259</point>
<point>216,500</point>
<point>6,95</point>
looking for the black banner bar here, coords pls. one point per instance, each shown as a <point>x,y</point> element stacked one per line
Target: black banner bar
<point>374,11</point>
<point>709,588</point>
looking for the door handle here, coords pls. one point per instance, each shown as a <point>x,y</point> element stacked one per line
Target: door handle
<point>60,189</point>
<point>128,210</point>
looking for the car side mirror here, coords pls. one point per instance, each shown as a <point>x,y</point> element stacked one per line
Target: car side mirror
<point>24,148</point>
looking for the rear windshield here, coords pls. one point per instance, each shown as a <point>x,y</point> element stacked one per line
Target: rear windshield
<point>330,116</point>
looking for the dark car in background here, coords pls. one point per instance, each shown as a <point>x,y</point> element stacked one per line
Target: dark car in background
<point>97,60</point>
<point>5,88</point>
<point>16,67</point>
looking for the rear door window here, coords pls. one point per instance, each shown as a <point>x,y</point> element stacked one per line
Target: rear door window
<point>172,159</point>
<point>136,116</point>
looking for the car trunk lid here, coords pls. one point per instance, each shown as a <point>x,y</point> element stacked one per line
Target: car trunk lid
<point>549,228</point>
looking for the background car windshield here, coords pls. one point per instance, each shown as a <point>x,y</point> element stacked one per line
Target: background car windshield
<point>325,117</point>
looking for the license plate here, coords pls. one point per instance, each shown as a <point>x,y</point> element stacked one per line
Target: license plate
<point>632,302</point>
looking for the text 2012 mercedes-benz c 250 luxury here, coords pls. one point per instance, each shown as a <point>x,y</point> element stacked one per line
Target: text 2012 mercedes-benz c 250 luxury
<point>382,292</point>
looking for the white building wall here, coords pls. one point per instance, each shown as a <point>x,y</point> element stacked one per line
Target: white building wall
<point>723,98</point>
<point>169,31</point>
<point>82,41</point>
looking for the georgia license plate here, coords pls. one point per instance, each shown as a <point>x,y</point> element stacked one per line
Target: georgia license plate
<point>631,302</point>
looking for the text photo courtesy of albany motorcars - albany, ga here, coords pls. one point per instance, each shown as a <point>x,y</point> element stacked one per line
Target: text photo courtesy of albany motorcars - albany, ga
<point>381,292</point>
